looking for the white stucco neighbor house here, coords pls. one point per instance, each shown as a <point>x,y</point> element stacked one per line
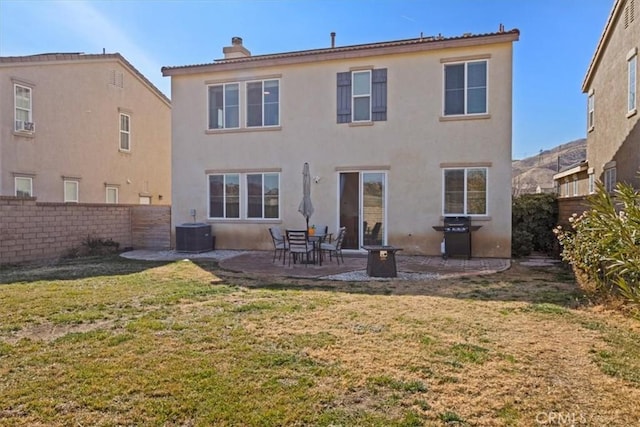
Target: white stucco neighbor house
<point>398,135</point>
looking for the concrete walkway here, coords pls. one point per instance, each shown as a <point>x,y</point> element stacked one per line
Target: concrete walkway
<point>353,268</point>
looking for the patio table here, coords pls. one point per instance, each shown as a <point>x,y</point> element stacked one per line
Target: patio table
<point>317,240</point>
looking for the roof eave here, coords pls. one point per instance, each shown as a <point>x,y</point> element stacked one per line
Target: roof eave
<point>406,46</point>
<point>608,28</point>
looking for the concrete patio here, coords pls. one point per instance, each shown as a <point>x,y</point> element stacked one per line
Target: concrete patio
<point>353,268</point>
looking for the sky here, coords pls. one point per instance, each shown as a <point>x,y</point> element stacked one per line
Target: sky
<point>557,40</point>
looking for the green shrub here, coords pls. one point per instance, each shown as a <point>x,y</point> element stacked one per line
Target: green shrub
<point>603,244</point>
<point>533,218</point>
<point>92,246</point>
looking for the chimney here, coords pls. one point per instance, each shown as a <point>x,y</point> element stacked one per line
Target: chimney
<point>236,50</point>
<point>333,39</point>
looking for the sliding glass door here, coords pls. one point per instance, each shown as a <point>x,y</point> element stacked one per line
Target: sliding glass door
<point>363,208</point>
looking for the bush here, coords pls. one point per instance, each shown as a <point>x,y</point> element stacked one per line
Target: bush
<point>92,246</point>
<point>603,244</point>
<point>534,217</point>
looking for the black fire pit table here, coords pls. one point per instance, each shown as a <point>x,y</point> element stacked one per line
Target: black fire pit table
<point>381,261</point>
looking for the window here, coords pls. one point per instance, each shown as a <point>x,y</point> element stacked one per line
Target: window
<point>70,191</point>
<point>144,200</point>
<point>590,111</point>
<point>24,186</point>
<point>23,110</point>
<point>610,179</point>
<point>263,195</point>
<point>465,88</point>
<point>112,194</point>
<point>362,96</point>
<point>260,193</point>
<point>224,196</point>
<point>125,132</point>
<point>263,103</point>
<point>465,191</point>
<point>591,183</point>
<point>575,186</point>
<point>224,106</point>
<point>632,65</point>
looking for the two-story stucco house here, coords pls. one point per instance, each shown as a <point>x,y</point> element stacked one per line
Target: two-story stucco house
<point>83,128</point>
<point>397,135</point>
<point>613,121</point>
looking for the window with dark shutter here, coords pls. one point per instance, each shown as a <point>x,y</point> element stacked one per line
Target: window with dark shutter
<point>345,95</point>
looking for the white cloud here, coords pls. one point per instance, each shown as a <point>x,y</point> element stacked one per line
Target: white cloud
<point>98,31</point>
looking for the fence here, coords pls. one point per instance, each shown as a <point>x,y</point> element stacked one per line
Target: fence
<point>567,206</point>
<point>31,231</point>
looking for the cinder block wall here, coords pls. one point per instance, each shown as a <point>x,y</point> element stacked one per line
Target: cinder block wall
<point>32,231</point>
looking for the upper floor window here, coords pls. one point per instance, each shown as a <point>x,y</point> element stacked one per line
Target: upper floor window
<point>125,132</point>
<point>23,186</point>
<point>70,191</point>
<point>590,111</point>
<point>465,88</point>
<point>610,179</point>
<point>575,185</point>
<point>23,109</point>
<point>224,106</point>
<point>465,191</point>
<point>263,103</point>
<point>224,195</point>
<point>592,183</point>
<point>259,192</point>
<point>632,66</point>
<point>111,194</point>
<point>362,96</point>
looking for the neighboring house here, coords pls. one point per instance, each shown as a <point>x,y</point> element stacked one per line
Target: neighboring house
<point>613,122</point>
<point>83,128</point>
<point>397,134</point>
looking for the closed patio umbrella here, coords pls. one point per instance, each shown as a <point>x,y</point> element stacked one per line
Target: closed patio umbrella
<point>306,207</point>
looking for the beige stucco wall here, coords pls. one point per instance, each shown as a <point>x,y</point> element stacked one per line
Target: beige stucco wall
<point>76,115</point>
<point>613,129</point>
<point>410,147</point>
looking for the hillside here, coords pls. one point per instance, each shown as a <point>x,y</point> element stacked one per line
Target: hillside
<point>537,171</point>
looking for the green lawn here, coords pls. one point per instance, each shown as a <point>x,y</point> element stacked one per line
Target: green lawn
<point>109,341</point>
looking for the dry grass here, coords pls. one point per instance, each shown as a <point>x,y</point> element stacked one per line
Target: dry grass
<point>186,344</point>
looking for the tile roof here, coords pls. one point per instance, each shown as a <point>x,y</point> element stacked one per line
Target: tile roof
<point>77,56</point>
<point>346,50</point>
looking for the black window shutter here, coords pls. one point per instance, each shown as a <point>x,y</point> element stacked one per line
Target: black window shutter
<point>344,97</point>
<point>379,94</point>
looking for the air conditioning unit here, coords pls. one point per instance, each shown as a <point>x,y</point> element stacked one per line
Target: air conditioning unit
<point>195,237</point>
<point>22,126</point>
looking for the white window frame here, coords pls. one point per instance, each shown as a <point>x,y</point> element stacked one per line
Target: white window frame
<point>244,196</point>
<point>114,190</point>
<point>19,125</point>
<point>263,103</point>
<point>125,132</point>
<point>610,179</point>
<point>224,196</point>
<point>69,197</point>
<point>632,82</point>
<point>355,96</point>
<point>144,200</point>
<point>466,88</point>
<point>592,183</point>
<point>591,111</point>
<point>575,185</point>
<point>23,179</point>
<point>466,193</point>
<point>224,105</point>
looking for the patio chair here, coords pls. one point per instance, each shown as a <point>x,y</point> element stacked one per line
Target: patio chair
<point>335,248</point>
<point>299,246</point>
<point>280,245</point>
